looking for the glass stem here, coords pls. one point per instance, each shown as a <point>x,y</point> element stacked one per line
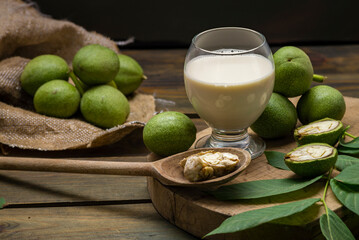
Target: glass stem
<point>229,136</point>
<point>234,138</point>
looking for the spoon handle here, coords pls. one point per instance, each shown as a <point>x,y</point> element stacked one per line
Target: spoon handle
<point>77,166</point>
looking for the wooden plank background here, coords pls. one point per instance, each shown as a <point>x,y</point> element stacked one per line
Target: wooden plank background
<point>63,206</point>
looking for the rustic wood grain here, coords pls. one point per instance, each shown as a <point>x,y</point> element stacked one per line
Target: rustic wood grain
<point>54,201</point>
<point>18,187</point>
<point>164,69</point>
<point>121,222</point>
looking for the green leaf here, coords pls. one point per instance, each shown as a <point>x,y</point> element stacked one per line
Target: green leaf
<point>254,218</point>
<point>349,175</point>
<point>352,144</point>
<point>344,161</point>
<point>347,150</point>
<point>276,159</point>
<point>2,202</point>
<point>334,228</point>
<point>347,194</point>
<point>261,188</point>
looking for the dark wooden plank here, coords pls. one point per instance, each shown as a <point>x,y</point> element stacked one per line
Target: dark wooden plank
<point>164,69</point>
<point>120,222</point>
<point>334,59</point>
<point>19,187</point>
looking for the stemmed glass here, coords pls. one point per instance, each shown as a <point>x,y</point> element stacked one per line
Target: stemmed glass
<point>229,78</point>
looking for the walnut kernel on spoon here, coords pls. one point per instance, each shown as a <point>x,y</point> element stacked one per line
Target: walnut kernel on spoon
<point>208,164</point>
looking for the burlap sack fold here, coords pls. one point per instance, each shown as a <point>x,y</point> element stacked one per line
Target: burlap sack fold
<point>25,33</point>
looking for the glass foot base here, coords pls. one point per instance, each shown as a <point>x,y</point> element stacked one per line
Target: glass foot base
<point>252,143</point>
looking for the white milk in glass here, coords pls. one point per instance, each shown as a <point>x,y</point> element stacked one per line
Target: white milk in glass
<point>229,91</point>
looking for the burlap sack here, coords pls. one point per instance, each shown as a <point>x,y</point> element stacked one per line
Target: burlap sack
<point>24,34</point>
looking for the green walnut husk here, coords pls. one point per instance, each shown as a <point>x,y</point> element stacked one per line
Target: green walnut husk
<point>95,64</point>
<point>130,76</point>
<point>43,69</point>
<point>326,130</point>
<point>311,160</point>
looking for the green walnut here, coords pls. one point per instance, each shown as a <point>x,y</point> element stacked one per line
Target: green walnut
<point>95,64</point>
<point>311,160</point>
<point>104,106</point>
<point>326,130</point>
<point>43,69</point>
<point>130,76</point>
<point>320,102</point>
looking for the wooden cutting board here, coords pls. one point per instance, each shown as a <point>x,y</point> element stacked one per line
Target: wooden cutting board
<point>199,213</point>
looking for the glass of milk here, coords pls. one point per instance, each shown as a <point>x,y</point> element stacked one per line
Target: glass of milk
<point>229,78</point>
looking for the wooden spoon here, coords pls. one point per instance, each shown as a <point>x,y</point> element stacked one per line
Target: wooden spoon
<point>167,170</point>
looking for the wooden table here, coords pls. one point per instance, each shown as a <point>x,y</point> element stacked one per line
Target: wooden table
<point>43,205</point>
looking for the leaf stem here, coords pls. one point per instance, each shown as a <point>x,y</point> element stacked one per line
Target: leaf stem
<point>324,195</point>
<point>318,78</point>
<point>350,135</point>
<point>325,177</point>
<point>325,206</point>
<point>325,191</point>
<point>81,87</point>
<point>326,188</point>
